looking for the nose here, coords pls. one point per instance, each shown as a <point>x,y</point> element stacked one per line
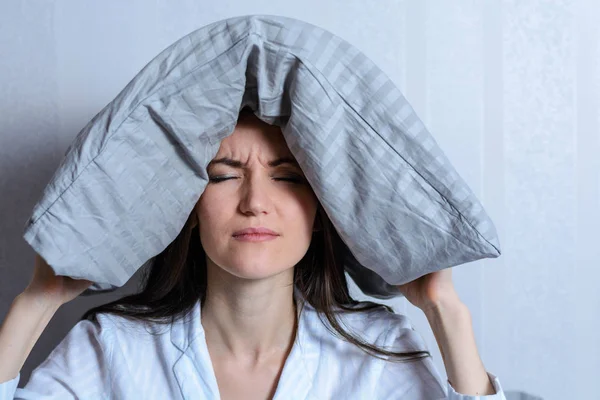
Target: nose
<point>255,195</point>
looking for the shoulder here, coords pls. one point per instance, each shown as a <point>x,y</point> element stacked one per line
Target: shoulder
<point>96,330</point>
<point>381,326</point>
<point>108,330</point>
<point>417,379</point>
<point>377,326</point>
<point>364,373</point>
<point>88,337</point>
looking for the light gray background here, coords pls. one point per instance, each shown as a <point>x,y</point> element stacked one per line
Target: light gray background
<point>508,88</point>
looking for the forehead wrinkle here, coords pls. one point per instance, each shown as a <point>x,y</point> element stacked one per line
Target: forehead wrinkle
<point>234,163</point>
<point>253,142</point>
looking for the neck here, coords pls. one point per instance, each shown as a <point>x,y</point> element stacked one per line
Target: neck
<point>251,322</point>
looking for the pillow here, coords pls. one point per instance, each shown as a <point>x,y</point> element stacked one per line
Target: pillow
<point>133,174</point>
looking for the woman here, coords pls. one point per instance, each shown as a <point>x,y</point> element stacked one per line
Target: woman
<point>249,301</point>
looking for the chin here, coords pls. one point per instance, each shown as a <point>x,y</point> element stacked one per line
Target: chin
<point>252,272</point>
<point>258,265</point>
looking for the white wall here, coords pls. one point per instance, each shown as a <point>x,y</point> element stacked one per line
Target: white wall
<point>508,88</point>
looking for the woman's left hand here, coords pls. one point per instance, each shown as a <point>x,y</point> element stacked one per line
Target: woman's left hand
<point>451,325</point>
<point>430,290</point>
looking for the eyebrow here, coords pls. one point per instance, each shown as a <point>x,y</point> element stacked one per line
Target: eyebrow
<point>238,164</point>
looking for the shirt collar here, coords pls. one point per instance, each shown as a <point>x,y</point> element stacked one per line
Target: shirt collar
<point>184,331</point>
<point>187,335</point>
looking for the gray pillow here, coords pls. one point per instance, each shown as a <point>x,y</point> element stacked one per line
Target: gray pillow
<point>133,174</point>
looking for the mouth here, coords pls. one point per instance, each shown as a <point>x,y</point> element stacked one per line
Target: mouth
<point>260,230</point>
<point>254,237</point>
<point>255,234</point>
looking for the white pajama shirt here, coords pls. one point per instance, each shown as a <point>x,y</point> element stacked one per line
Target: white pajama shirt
<point>114,358</point>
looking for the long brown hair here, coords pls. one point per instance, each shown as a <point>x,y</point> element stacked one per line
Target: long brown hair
<point>173,283</point>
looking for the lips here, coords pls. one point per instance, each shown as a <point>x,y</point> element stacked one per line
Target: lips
<point>255,231</point>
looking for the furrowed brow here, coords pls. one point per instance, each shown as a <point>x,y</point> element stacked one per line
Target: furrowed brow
<point>238,164</point>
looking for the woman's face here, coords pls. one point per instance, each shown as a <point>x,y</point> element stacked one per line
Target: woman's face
<point>255,195</point>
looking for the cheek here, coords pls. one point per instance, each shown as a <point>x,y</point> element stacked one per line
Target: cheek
<point>302,211</point>
<point>208,214</point>
<point>210,200</point>
<point>309,203</point>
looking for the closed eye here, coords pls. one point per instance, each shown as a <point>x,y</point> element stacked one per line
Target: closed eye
<point>293,179</point>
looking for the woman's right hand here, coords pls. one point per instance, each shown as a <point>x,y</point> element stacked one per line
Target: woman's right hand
<point>55,289</point>
<point>30,313</point>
